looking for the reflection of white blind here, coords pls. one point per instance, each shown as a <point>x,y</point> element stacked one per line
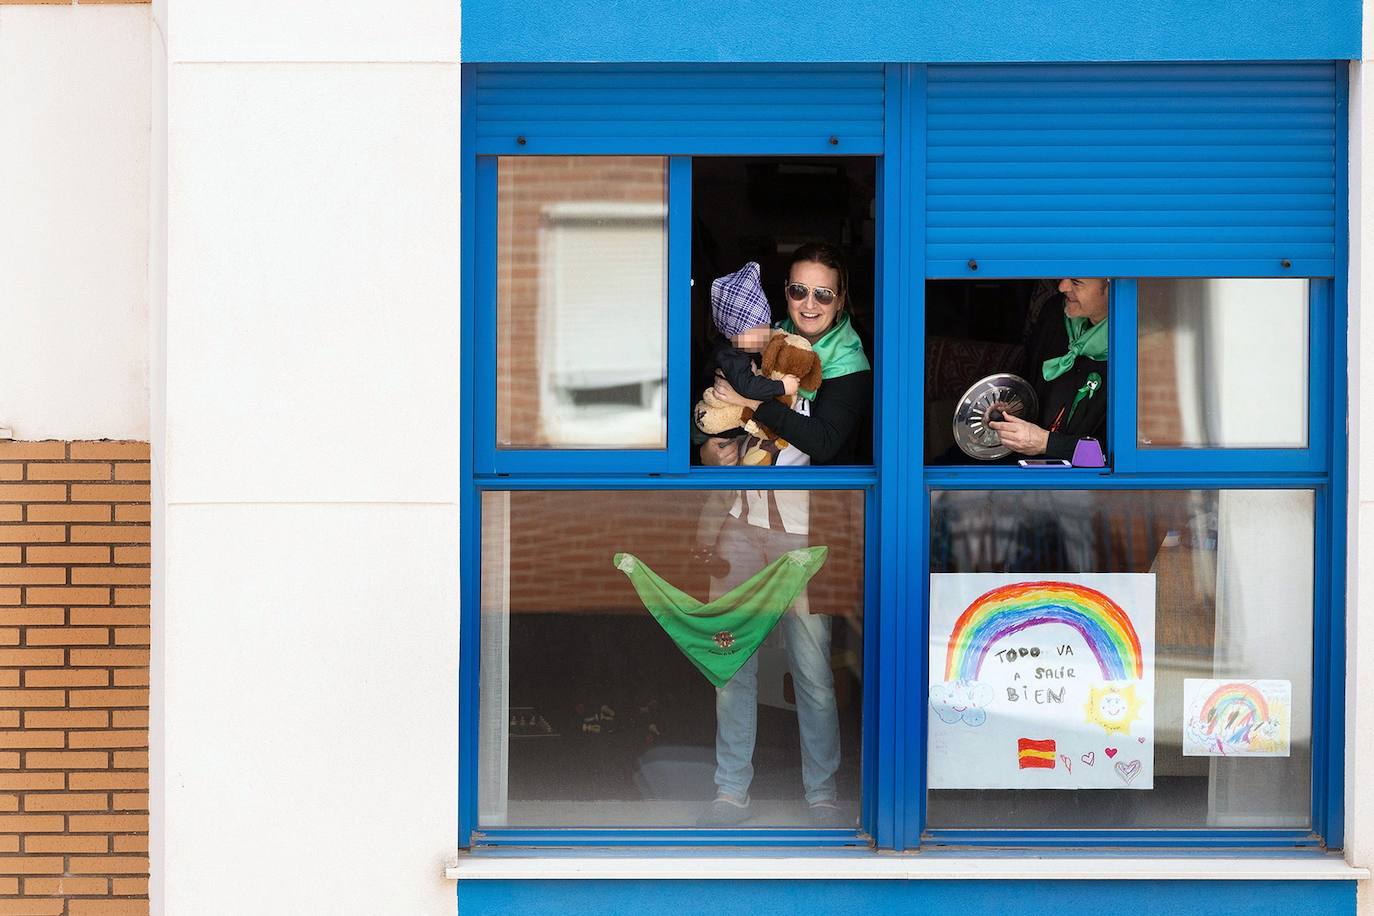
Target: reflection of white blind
<point>493,739</point>
<point>603,303</point>
<point>1263,630</point>
<point>1255,362</point>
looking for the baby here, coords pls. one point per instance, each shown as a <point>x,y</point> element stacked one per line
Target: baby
<point>742,316</point>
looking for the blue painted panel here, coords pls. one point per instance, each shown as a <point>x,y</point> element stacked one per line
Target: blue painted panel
<point>782,109</point>
<point>1329,694</point>
<point>876,30</point>
<point>968,898</point>
<point>1156,170</point>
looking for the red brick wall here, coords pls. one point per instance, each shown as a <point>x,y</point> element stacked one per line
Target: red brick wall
<point>74,636</point>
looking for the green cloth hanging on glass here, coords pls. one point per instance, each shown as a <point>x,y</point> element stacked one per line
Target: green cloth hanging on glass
<point>719,637</point>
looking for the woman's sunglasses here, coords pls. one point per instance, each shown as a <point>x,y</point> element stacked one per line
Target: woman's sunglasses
<point>798,292</point>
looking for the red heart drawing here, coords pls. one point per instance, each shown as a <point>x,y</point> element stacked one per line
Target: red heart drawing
<point>1067,761</point>
<point>1089,758</point>
<point>1111,752</point>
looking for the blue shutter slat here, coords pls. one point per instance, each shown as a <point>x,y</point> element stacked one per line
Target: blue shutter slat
<point>1121,185</point>
<point>492,117</point>
<point>1140,120</point>
<point>660,129</point>
<point>1169,169</point>
<point>1135,169</point>
<point>618,77</point>
<point>1320,235</point>
<point>1054,219</point>
<point>1140,103</point>
<point>1134,248</point>
<point>1135,73</point>
<point>1102,155</point>
<point>665,109</point>
<point>672,95</point>
<point>1161,136</point>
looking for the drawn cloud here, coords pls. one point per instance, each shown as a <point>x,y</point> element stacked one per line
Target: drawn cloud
<point>961,701</point>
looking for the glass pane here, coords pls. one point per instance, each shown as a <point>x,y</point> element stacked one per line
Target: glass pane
<point>598,697</point>
<point>581,302</point>
<point>1117,659</point>
<point>1223,364</point>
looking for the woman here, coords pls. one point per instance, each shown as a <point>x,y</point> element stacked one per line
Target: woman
<point>762,525</point>
<point>826,430</point>
<point>1068,366</point>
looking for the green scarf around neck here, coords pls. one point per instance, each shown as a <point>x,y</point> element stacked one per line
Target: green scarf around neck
<point>1085,339</point>
<point>721,636</point>
<point>840,350</point>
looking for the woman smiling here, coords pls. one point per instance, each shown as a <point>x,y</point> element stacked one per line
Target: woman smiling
<point>826,430</point>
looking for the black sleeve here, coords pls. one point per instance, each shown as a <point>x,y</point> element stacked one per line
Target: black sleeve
<point>835,413</point>
<point>1061,445</point>
<point>738,370</point>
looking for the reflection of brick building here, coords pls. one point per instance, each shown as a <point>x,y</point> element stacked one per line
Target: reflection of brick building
<point>527,186</point>
<point>561,546</point>
<point>1157,405</point>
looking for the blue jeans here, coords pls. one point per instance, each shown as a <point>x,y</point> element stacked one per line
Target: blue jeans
<point>748,550</point>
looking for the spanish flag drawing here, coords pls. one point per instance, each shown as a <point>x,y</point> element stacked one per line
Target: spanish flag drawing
<point>1032,754</point>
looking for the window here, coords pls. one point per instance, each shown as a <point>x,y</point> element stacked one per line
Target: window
<point>582,304</point>
<point>1197,561</point>
<point>1229,574</point>
<point>1223,364</point>
<point>597,707</point>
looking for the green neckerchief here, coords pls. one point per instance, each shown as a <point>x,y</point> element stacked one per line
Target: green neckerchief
<point>840,350</point>
<point>721,636</point>
<point>1085,339</point>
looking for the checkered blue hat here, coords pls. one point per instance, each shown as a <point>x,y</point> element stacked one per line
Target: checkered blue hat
<point>738,302</point>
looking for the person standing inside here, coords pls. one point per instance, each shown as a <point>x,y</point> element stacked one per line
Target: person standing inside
<point>763,524</point>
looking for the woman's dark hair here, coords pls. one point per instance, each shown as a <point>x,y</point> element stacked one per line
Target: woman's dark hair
<point>827,254</point>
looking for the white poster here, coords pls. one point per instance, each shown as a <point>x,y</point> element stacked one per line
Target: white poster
<point>1042,682</point>
<point>1236,718</point>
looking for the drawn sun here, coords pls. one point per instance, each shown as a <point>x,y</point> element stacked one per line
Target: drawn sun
<point>1114,708</point>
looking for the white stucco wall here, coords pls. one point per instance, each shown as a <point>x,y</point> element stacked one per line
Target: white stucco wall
<point>74,115</point>
<point>305,665</point>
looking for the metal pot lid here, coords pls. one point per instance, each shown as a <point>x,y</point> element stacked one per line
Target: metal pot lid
<point>1009,393</point>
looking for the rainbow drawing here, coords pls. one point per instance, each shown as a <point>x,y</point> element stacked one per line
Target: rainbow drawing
<point>1232,711</point>
<point>1010,609</point>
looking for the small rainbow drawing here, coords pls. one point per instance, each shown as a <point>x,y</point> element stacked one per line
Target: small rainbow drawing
<point>1013,608</point>
<point>1231,711</point>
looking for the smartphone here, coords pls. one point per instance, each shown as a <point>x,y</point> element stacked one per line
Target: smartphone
<point>1044,463</point>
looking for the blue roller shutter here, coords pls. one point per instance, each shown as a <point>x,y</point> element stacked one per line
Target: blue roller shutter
<point>681,109</point>
<point>1163,170</point>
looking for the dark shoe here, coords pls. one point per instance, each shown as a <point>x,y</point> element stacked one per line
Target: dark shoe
<point>827,814</point>
<point>725,812</point>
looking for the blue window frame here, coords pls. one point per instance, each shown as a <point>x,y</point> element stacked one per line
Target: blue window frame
<point>931,152</point>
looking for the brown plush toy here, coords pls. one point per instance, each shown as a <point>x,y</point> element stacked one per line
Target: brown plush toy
<point>785,354</point>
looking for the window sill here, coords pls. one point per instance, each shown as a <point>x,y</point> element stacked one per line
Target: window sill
<point>867,865</point>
